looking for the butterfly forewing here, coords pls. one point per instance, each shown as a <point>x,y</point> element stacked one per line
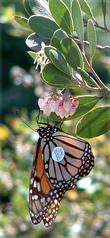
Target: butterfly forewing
<point>77,162</point>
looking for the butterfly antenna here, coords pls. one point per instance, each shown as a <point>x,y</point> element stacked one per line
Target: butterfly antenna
<point>18,115</point>
<point>38,122</point>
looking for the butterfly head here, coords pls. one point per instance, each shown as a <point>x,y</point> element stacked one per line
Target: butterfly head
<point>47,132</point>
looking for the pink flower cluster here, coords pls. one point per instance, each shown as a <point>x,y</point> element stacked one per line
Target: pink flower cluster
<point>62,106</point>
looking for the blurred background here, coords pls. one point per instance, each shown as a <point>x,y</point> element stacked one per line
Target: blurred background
<point>84,212</point>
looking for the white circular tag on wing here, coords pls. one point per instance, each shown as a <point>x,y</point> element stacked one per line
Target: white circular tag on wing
<point>58,153</point>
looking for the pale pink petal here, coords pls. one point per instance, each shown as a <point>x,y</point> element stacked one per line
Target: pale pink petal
<point>41,103</point>
<point>54,105</point>
<point>67,105</point>
<point>67,114</point>
<point>47,99</point>
<point>60,101</point>
<point>63,107</point>
<point>47,110</point>
<point>60,112</point>
<point>72,111</point>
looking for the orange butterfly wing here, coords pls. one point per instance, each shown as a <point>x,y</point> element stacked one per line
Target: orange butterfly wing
<point>51,179</point>
<point>77,162</point>
<point>44,199</point>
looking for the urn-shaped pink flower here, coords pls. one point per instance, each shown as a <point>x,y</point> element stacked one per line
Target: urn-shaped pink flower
<point>63,106</point>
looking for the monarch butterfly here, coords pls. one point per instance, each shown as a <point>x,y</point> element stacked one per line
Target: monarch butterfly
<point>60,161</point>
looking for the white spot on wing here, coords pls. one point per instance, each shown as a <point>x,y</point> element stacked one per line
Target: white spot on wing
<point>35,197</point>
<point>32,180</point>
<point>35,184</point>
<point>38,186</point>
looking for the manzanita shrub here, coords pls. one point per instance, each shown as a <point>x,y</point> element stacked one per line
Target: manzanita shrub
<point>65,37</point>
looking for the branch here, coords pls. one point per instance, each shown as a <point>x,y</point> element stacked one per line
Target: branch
<point>102,27</point>
<point>98,80</point>
<point>103,48</point>
<point>98,26</point>
<point>85,86</point>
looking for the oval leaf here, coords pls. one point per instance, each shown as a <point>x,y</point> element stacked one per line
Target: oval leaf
<point>32,54</point>
<point>40,7</point>
<point>94,123</point>
<point>86,8</point>
<point>91,32</point>
<point>103,38</point>
<point>34,42</point>
<point>85,76</point>
<point>86,103</point>
<point>57,37</point>
<point>43,26</point>
<point>21,20</point>
<point>72,53</point>
<point>68,4</point>
<point>54,77</point>
<point>59,62</point>
<point>57,59</point>
<point>61,15</point>
<point>27,7</point>
<point>104,8</point>
<point>77,19</point>
<point>47,50</point>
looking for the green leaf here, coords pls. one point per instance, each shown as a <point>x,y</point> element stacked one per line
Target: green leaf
<point>61,15</point>
<point>78,19</point>
<point>27,7</point>
<point>47,50</point>
<point>86,103</point>
<point>86,8</point>
<point>21,20</point>
<point>104,7</point>
<point>54,77</point>
<point>91,32</point>
<point>85,76</point>
<point>34,42</point>
<point>57,59</point>
<point>40,7</point>
<point>67,3</point>
<point>59,62</point>
<point>57,37</point>
<point>94,123</point>
<point>103,38</point>
<point>43,26</point>
<point>32,54</point>
<point>72,53</point>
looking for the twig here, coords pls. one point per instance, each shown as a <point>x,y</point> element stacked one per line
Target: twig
<point>99,26</point>
<point>102,27</point>
<point>85,86</point>
<point>98,80</point>
<point>97,46</point>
